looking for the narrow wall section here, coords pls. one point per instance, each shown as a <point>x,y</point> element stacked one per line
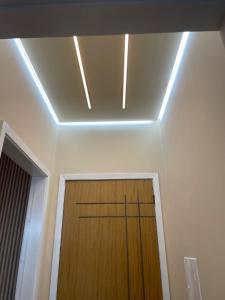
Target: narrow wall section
<point>193,145</point>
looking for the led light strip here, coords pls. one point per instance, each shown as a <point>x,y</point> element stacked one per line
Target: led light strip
<point>126,46</point>
<point>35,78</point>
<point>100,123</point>
<point>46,100</point>
<point>173,75</point>
<point>82,71</point>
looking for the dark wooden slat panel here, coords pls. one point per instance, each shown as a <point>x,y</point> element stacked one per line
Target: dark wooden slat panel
<point>8,241</point>
<point>14,191</point>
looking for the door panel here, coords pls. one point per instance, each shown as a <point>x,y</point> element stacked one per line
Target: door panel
<point>135,262</point>
<point>153,289</point>
<point>109,248</point>
<point>94,278</point>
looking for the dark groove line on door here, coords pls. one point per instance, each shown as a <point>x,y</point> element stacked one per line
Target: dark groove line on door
<point>104,203</point>
<point>142,264</point>
<point>95,217</point>
<point>128,271</point>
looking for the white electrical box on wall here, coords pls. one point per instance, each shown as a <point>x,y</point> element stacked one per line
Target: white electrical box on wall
<point>192,278</point>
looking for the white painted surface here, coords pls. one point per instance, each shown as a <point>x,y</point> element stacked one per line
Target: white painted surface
<point>193,158</point>
<point>161,239</point>
<point>22,263</point>
<point>105,176</point>
<point>2,135</point>
<point>32,252</point>
<point>57,239</point>
<point>9,132</point>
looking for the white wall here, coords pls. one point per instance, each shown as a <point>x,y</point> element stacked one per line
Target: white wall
<point>108,149</point>
<point>193,185</point>
<point>22,107</point>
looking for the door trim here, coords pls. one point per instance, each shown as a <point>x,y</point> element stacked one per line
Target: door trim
<point>108,176</point>
<point>33,238</point>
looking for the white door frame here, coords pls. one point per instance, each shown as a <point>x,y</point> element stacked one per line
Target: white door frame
<point>105,176</point>
<point>33,237</point>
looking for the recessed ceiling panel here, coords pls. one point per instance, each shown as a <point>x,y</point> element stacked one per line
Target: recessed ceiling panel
<point>55,61</point>
<point>102,58</point>
<point>150,61</point>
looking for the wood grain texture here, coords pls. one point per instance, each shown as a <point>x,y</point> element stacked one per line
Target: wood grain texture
<point>153,286</point>
<point>135,268</point>
<point>14,192</point>
<point>100,191</point>
<point>103,238</point>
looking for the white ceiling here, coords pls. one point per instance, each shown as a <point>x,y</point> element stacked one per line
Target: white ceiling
<point>150,61</point>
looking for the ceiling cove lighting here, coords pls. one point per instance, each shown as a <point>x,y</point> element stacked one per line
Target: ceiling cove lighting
<point>100,123</point>
<point>126,46</point>
<point>173,75</point>
<point>46,100</point>
<point>35,78</point>
<point>82,71</point>
<point>37,81</point>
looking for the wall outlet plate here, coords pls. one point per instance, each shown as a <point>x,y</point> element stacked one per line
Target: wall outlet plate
<point>192,278</point>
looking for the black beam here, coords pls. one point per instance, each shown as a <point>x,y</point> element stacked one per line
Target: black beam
<point>45,18</point>
<point>222,31</point>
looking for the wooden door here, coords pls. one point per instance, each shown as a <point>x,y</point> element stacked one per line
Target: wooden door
<point>109,248</point>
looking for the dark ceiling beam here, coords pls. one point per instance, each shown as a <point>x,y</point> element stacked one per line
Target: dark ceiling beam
<point>222,31</point>
<point>38,18</point>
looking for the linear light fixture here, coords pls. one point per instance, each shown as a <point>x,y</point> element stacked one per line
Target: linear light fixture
<point>35,78</point>
<point>173,75</point>
<point>126,46</point>
<point>82,71</point>
<point>99,123</point>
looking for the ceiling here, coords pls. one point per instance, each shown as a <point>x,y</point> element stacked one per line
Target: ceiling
<point>52,18</point>
<point>150,61</point>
